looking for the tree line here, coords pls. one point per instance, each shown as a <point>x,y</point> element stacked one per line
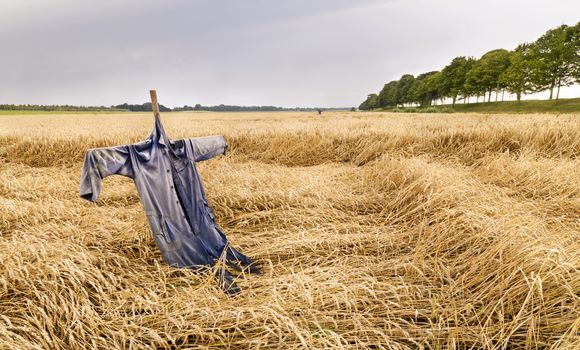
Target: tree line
<point>235,108</point>
<point>549,63</point>
<point>54,108</point>
<point>146,107</point>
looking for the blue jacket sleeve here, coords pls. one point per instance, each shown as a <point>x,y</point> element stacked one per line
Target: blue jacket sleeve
<point>100,163</point>
<point>204,148</point>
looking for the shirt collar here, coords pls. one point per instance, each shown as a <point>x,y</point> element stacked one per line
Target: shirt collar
<point>158,133</point>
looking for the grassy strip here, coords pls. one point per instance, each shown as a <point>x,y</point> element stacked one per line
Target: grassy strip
<point>568,105</point>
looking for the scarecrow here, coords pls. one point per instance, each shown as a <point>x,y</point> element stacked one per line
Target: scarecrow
<point>170,188</point>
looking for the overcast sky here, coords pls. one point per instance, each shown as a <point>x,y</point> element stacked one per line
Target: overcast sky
<point>252,52</point>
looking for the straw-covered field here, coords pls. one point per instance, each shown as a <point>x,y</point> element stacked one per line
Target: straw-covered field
<point>374,231</point>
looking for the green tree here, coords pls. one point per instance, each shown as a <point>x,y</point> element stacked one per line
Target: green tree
<point>485,74</point>
<point>434,86</point>
<point>388,97</point>
<point>517,78</point>
<point>405,89</point>
<point>556,59</point>
<point>461,84</point>
<point>454,76</point>
<point>371,102</point>
<point>420,90</point>
<point>474,83</point>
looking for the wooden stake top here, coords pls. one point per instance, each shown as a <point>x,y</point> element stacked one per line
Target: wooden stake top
<point>154,104</point>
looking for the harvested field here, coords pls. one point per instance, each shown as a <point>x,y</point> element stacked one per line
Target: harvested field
<point>374,230</point>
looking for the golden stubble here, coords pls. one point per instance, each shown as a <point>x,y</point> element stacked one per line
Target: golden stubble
<point>374,230</point>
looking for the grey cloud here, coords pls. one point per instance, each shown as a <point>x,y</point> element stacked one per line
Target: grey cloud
<point>291,53</point>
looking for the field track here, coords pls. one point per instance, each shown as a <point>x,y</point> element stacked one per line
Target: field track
<point>374,230</point>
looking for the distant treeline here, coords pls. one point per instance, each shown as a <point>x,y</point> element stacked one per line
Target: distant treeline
<point>549,63</point>
<point>232,108</point>
<point>60,108</point>
<point>146,107</point>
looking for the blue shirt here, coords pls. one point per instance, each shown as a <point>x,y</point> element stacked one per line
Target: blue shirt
<point>171,191</point>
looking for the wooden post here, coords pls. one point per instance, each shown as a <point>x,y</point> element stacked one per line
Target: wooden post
<point>154,104</point>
